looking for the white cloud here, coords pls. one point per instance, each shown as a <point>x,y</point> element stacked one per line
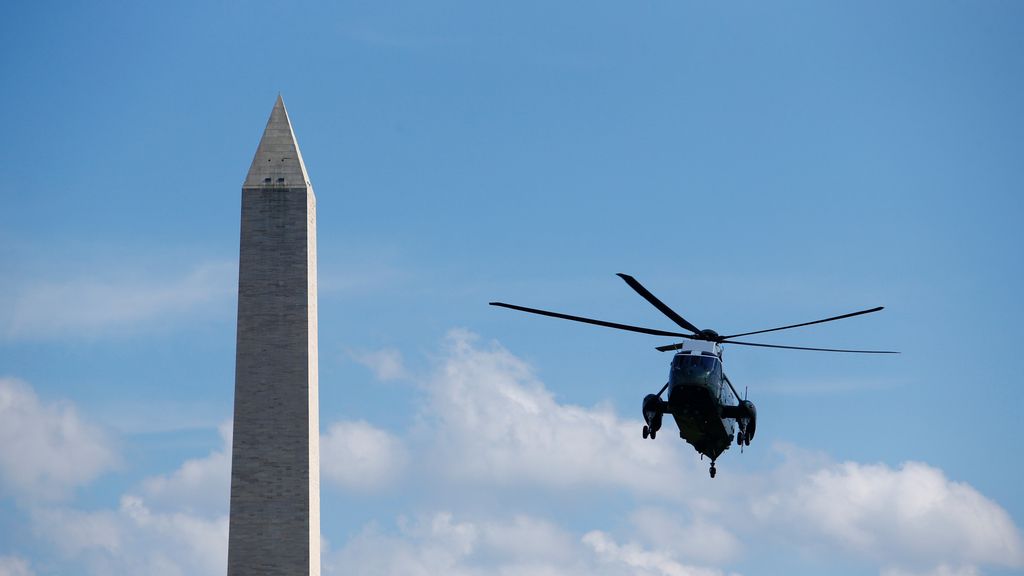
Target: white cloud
<point>93,306</point>
<point>358,456</point>
<point>516,546</point>
<point>74,531</point>
<point>489,420</point>
<point>385,364</point>
<point>172,525</point>
<point>135,540</point>
<point>436,546</point>
<point>353,455</point>
<point>700,540</point>
<point>14,566</point>
<point>201,484</point>
<point>177,523</point>
<point>46,450</point>
<point>912,517</point>
<point>942,570</point>
<point>490,426</point>
<point>524,537</point>
<point>640,560</point>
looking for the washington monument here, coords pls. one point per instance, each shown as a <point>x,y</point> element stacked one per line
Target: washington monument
<point>275,460</point>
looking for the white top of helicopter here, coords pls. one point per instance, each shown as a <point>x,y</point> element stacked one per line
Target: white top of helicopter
<point>698,346</point>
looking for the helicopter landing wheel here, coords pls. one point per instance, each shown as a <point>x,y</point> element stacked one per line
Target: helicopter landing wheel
<point>647,432</point>
<point>653,434</point>
<point>712,470</point>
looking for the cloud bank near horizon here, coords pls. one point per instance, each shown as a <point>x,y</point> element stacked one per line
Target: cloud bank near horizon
<point>489,426</point>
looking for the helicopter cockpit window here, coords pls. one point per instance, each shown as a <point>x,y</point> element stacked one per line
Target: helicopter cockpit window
<point>697,368</point>
<point>716,370</point>
<point>709,364</point>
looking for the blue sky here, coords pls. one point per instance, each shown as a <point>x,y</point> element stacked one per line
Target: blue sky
<point>754,164</point>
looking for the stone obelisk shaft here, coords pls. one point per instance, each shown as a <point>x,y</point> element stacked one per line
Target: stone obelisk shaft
<point>275,466</point>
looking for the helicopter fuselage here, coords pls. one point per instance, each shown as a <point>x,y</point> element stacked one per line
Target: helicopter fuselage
<point>699,399</point>
<point>696,395</point>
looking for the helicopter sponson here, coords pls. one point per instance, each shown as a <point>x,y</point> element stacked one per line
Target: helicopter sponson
<point>653,408</point>
<point>745,414</point>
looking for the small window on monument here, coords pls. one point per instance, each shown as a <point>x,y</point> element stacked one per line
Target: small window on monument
<point>266,180</point>
<point>280,180</point>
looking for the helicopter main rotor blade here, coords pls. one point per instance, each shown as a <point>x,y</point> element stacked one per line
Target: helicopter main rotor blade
<point>639,329</point>
<point>658,303</point>
<point>850,315</point>
<point>814,349</point>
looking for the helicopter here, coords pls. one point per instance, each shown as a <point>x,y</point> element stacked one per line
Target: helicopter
<point>701,399</point>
